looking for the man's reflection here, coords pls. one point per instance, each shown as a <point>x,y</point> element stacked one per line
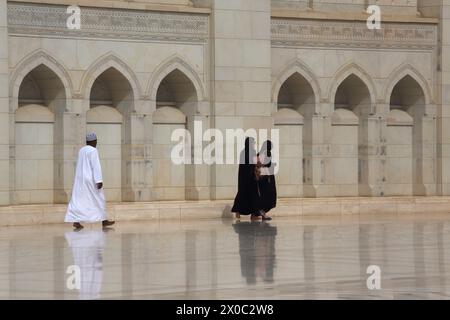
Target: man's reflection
<point>257,250</point>
<point>87,249</point>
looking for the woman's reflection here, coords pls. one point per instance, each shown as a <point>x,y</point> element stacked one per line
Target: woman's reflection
<point>87,249</point>
<point>257,250</point>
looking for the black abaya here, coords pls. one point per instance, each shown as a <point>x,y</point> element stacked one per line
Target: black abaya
<point>247,198</point>
<point>268,189</point>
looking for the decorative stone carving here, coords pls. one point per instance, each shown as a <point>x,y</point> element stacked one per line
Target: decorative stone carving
<point>299,33</point>
<point>50,20</point>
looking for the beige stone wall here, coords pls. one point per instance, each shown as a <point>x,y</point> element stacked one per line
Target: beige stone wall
<point>4,107</point>
<point>444,92</point>
<point>237,67</point>
<point>340,176</point>
<point>169,181</point>
<point>132,4</point>
<point>400,7</point>
<point>404,7</point>
<point>127,152</point>
<point>240,76</point>
<point>379,71</point>
<point>34,164</point>
<point>399,155</point>
<point>441,9</point>
<point>290,175</point>
<point>176,2</point>
<point>443,87</point>
<point>110,149</point>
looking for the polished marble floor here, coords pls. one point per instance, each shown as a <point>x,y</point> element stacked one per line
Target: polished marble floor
<point>289,258</point>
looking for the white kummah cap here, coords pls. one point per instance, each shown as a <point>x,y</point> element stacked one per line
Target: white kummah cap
<point>91,137</point>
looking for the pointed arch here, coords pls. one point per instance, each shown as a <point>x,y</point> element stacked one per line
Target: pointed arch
<point>400,73</point>
<point>110,60</point>
<point>346,71</point>
<point>31,62</point>
<point>175,63</point>
<point>296,66</point>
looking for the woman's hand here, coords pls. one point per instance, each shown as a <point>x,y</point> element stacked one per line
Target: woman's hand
<point>258,170</point>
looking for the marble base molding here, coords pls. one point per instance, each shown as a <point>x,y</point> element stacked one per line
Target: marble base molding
<point>220,209</point>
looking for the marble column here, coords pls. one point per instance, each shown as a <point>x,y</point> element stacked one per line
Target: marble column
<point>444,111</point>
<point>69,137</point>
<point>371,155</point>
<point>441,9</point>
<point>4,108</point>
<point>197,176</point>
<point>240,76</point>
<point>316,155</point>
<point>136,156</point>
<point>425,152</point>
<point>382,113</point>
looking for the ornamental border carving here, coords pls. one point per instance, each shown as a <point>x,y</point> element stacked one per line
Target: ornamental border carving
<point>301,33</point>
<point>139,25</point>
<point>107,23</point>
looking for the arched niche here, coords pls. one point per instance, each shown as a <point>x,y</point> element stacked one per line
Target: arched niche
<point>290,169</point>
<point>41,103</point>
<point>177,105</point>
<point>411,146</point>
<point>297,95</point>
<point>353,94</point>
<point>352,103</point>
<point>111,103</point>
<point>178,91</point>
<point>399,153</point>
<point>169,182</point>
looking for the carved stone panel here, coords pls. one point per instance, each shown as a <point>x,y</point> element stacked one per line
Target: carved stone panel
<point>51,20</point>
<point>293,32</point>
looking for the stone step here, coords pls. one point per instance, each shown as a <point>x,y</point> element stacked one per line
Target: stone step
<point>183,210</point>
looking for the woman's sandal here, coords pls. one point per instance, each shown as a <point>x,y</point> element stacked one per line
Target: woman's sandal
<point>264,216</point>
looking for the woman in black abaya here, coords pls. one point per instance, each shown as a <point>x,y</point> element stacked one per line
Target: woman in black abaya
<point>266,181</point>
<point>247,198</point>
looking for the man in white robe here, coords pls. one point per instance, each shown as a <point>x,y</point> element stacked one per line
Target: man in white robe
<point>88,199</point>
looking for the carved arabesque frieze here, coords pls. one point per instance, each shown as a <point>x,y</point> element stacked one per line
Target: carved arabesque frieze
<point>51,20</point>
<point>108,23</point>
<point>301,33</point>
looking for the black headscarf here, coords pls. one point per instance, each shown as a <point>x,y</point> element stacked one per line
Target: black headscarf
<point>267,148</point>
<point>249,151</point>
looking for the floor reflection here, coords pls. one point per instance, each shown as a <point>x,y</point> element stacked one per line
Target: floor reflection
<point>308,259</point>
<point>210,259</point>
<point>257,250</point>
<point>87,249</point>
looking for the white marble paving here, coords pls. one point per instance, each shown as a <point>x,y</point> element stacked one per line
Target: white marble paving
<point>288,258</point>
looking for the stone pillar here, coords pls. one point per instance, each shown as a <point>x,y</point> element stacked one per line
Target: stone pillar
<point>425,153</point>
<point>316,184</point>
<point>4,108</point>
<point>444,100</point>
<point>197,176</point>
<point>136,156</point>
<point>137,135</point>
<point>382,113</point>
<point>441,9</point>
<point>240,76</point>
<point>371,155</point>
<point>69,137</point>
